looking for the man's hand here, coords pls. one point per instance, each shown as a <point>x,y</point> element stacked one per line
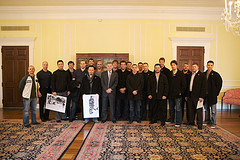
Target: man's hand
<point>122,90</point>
<point>78,86</point>
<point>54,93</point>
<point>68,93</point>
<point>109,90</point>
<point>134,92</point>
<point>39,94</point>
<point>150,97</point>
<point>200,99</point>
<point>164,97</point>
<point>186,98</point>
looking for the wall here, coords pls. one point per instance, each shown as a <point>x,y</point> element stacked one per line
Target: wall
<point>145,40</point>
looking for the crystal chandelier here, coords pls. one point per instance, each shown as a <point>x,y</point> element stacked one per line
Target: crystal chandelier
<point>231,16</point>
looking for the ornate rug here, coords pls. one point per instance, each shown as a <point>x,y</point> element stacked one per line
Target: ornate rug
<point>143,141</point>
<point>48,140</point>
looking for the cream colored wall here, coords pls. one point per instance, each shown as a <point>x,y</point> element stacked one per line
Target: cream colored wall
<point>144,40</point>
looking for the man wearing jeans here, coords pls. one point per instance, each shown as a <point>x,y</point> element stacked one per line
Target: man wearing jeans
<point>214,82</point>
<point>177,86</point>
<point>28,88</point>
<point>135,85</point>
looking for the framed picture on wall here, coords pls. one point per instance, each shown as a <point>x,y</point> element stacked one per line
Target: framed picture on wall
<point>104,57</point>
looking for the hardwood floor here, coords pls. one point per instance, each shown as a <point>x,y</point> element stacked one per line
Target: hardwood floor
<point>229,120</point>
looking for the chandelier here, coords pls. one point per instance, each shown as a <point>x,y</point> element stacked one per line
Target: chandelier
<point>231,16</point>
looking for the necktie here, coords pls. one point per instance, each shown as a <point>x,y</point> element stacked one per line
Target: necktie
<point>109,78</point>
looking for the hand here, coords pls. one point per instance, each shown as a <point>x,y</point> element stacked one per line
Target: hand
<point>73,79</point>
<point>68,93</point>
<point>109,90</point>
<point>150,97</point>
<point>54,93</point>
<point>164,97</point>
<point>134,92</point>
<point>122,90</point>
<point>200,99</point>
<point>186,98</point>
<point>78,86</point>
<point>39,94</point>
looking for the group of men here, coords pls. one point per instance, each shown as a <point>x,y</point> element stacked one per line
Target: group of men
<point>131,91</point>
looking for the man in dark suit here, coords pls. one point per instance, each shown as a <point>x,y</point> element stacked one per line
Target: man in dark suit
<point>214,82</point>
<point>187,74</point>
<point>196,92</point>
<point>157,93</point>
<point>109,81</point>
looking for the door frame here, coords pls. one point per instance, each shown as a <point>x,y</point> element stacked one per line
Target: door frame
<point>193,42</point>
<point>15,41</point>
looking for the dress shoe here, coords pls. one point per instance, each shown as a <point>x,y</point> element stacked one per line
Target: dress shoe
<point>130,122</point>
<point>200,127</point>
<point>58,121</point>
<point>138,121</point>
<point>70,120</point>
<point>162,124</point>
<point>103,121</point>
<point>28,126</point>
<point>114,121</point>
<point>36,123</point>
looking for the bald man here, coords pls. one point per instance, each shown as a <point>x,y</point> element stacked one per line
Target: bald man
<point>28,88</point>
<point>44,79</point>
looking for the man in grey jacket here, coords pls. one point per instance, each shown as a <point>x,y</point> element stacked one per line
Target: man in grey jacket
<point>109,81</point>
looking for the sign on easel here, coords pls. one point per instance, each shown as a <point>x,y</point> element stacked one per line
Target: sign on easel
<point>56,103</point>
<point>91,105</point>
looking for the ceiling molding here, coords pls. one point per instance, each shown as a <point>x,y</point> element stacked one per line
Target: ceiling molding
<point>110,12</point>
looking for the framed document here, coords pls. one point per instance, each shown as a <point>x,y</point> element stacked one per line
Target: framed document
<point>91,105</point>
<point>56,103</point>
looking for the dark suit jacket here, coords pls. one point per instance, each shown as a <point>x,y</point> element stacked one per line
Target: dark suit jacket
<point>135,82</point>
<point>96,86</point>
<point>113,82</point>
<point>214,85</point>
<point>199,88</point>
<point>162,86</point>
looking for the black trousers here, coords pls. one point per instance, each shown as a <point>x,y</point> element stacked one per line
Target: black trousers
<point>144,110</point>
<point>44,113</point>
<point>111,99</point>
<point>183,107</point>
<point>192,110</point>
<point>158,109</point>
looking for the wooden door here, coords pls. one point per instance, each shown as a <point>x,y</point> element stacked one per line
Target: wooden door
<point>15,62</point>
<point>190,55</point>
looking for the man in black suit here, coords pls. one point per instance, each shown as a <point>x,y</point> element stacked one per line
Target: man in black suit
<point>187,73</point>
<point>109,81</point>
<point>145,102</point>
<point>214,82</point>
<point>157,93</point>
<point>196,92</point>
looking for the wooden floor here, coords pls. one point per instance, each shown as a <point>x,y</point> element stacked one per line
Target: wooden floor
<point>229,120</point>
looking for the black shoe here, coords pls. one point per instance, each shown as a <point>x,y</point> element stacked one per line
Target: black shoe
<point>44,120</point>
<point>138,121</point>
<point>151,122</point>
<point>130,122</point>
<point>70,120</point>
<point>58,121</point>
<point>28,126</point>
<point>114,121</point>
<point>162,124</point>
<point>36,123</point>
<point>200,127</point>
<point>103,121</point>
<point>191,124</point>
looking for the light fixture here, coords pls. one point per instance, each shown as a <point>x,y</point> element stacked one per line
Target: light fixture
<point>231,16</point>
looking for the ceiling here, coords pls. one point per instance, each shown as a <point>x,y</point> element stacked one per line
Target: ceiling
<point>186,3</point>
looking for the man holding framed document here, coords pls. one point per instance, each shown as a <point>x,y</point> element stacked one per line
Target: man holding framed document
<point>91,88</point>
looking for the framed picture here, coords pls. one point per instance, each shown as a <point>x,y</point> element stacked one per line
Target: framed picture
<point>56,103</point>
<point>90,105</point>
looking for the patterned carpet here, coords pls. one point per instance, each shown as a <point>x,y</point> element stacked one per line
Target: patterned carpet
<point>144,141</point>
<point>48,140</point>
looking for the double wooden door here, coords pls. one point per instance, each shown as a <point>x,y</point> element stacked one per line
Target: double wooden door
<point>15,61</point>
<point>190,55</point>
